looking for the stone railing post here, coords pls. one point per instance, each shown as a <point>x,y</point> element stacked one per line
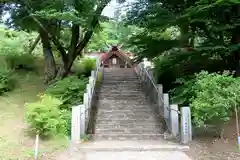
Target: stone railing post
<point>159,100</point>
<point>82,120</point>
<point>186,124</point>
<point>145,62</point>
<point>166,105</point>
<point>91,84</point>
<point>85,101</point>
<point>93,73</point>
<point>75,129</point>
<point>174,120</point>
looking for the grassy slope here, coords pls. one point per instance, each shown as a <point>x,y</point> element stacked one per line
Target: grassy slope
<point>15,143</point>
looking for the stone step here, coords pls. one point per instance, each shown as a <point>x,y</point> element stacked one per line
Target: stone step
<point>123,97</point>
<point>122,70</point>
<point>121,84</point>
<point>136,146</point>
<point>153,136</point>
<point>120,78</point>
<point>128,111</point>
<point>126,116</point>
<point>120,74</point>
<point>123,130</point>
<point>117,107</point>
<point>140,111</point>
<point>117,87</point>
<point>118,70</point>
<point>149,121</point>
<point>127,124</point>
<point>121,92</point>
<point>121,89</point>
<point>130,74</point>
<point>126,71</point>
<point>103,101</point>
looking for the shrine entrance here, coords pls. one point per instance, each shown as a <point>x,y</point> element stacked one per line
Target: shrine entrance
<point>116,59</point>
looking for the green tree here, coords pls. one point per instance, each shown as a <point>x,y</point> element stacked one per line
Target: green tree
<point>209,35</point>
<point>111,33</point>
<point>49,18</point>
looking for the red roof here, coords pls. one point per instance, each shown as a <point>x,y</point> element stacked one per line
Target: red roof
<point>104,56</point>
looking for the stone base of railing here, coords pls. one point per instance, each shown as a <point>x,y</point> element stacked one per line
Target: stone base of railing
<point>170,137</point>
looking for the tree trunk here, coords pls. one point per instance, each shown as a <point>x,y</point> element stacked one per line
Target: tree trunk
<point>32,47</point>
<point>236,54</point>
<point>76,50</point>
<point>49,61</point>
<point>64,69</point>
<point>236,36</point>
<point>184,29</point>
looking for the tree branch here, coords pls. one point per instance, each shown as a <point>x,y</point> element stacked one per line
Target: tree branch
<point>53,38</point>
<point>74,41</point>
<point>94,23</point>
<point>32,47</point>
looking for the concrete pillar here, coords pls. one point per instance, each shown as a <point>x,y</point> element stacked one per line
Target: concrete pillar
<point>166,106</point>
<point>75,128</point>
<point>174,123</point>
<point>91,84</point>
<point>82,120</point>
<point>160,98</point>
<point>85,102</point>
<point>186,124</point>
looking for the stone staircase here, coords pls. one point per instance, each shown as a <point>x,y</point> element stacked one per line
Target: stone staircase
<point>126,127</point>
<point>123,110</point>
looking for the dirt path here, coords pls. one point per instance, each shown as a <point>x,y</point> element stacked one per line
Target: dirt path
<point>209,148</point>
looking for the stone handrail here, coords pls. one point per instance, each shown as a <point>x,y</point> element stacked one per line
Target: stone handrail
<point>170,113</point>
<point>81,113</point>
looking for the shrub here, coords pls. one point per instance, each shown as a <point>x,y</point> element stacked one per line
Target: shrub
<point>66,115</point>
<point>89,64</point>
<point>45,118</point>
<point>84,66</point>
<point>211,96</point>
<point>184,92</point>
<point>216,97</point>
<point>7,81</point>
<point>20,61</point>
<point>69,90</point>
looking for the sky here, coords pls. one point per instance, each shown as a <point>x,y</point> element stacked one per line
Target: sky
<point>112,7</point>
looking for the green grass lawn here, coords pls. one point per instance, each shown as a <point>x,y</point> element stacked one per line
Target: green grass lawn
<point>15,143</point>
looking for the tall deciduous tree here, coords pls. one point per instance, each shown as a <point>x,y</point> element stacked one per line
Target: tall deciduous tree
<point>49,18</point>
<point>208,30</point>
